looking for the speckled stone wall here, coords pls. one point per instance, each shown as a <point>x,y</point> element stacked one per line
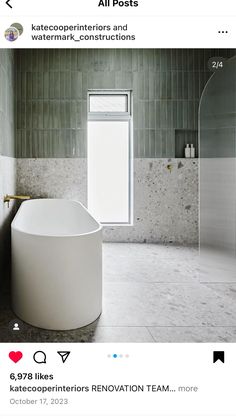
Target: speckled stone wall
<point>165,203</point>
<point>165,199</point>
<point>53,178</point>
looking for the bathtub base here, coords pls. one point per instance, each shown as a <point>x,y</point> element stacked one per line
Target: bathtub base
<point>54,291</point>
<point>54,329</point>
<point>57,281</point>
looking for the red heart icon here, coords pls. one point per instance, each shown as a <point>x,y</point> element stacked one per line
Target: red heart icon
<point>15,356</point>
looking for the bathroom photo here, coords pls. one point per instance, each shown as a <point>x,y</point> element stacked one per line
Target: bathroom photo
<point>117,188</point>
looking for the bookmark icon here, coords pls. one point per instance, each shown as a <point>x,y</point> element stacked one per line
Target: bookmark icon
<point>64,355</point>
<point>218,356</point>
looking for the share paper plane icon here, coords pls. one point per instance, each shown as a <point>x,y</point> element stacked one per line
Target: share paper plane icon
<point>64,355</point>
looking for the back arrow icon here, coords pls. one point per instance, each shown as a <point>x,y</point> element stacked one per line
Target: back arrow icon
<point>9,5</point>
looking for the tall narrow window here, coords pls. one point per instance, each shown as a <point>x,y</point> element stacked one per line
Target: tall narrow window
<point>110,156</point>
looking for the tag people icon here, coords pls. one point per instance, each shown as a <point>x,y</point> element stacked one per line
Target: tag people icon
<point>16,327</point>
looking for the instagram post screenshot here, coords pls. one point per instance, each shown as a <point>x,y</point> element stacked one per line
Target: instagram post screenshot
<point>117,209</point>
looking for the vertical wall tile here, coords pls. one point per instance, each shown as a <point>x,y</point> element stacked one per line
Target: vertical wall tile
<point>157,114</point>
<point>135,143</point>
<point>152,139</point>
<point>158,144</point>
<point>51,97</point>
<point>163,143</point>
<point>151,114</point>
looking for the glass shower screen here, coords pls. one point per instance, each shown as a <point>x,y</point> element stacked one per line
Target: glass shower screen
<point>217,129</point>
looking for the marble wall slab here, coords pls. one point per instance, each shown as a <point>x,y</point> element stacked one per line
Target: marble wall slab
<point>165,199</point>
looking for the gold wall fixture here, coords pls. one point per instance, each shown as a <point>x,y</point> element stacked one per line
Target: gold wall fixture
<point>169,167</point>
<point>8,198</point>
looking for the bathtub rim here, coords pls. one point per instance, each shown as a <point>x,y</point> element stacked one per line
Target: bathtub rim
<point>58,236</point>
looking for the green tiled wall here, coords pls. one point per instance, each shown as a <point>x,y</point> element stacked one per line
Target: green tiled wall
<point>6,103</point>
<point>218,115</point>
<point>52,90</point>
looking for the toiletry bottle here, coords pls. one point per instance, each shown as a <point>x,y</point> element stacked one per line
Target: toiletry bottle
<point>187,151</point>
<point>192,151</point>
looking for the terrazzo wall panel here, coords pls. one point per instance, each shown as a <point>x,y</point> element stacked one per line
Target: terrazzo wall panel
<point>53,178</point>
<point>165,203</point>
<point>7,162</point>
<point>165,200</point>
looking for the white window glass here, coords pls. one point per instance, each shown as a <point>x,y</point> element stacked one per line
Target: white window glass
<point>108,103</point>
<point>109,171</point>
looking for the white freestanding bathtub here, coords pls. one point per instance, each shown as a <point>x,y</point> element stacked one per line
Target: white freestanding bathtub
<point>56,264</point>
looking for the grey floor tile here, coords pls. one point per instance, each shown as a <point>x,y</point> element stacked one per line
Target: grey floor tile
<point>193,334</point>
<point>227,292</point>
<point>91,333</point>
<point>146,304</point>
<point>122,334</point>
<point>165,251</point>
<point>150,263</point>
<point>83,335</point>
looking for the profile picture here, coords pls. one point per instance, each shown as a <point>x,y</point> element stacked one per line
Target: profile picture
<point>13,32</point>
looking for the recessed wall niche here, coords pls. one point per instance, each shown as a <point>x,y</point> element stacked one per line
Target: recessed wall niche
<point>184,137</point>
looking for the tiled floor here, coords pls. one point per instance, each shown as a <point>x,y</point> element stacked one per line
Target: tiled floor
<point>152,293</point>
